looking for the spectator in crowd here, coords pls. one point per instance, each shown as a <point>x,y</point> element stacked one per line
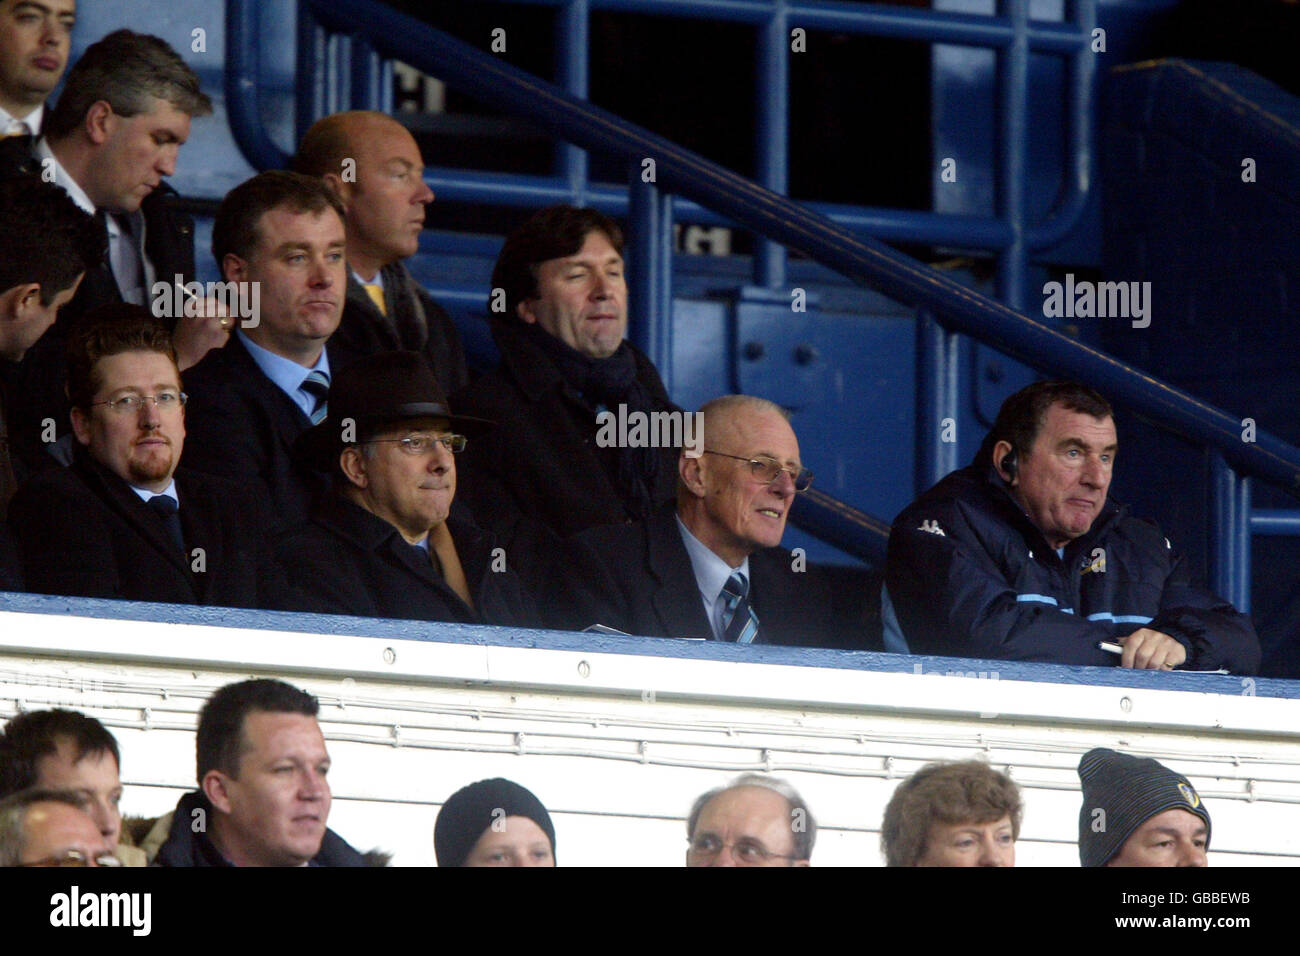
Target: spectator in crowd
<point>66,750</point>
<point>711,567</point>
<point>386,543</point>
<point>1137,812</point>
<point>559,304</point>
<point>123,522</point>
<point>34,43</point>
<point>40,269</point>
<point>279,235</point>
<point>263,797</point>
<point>113,136</point>
<point>953,814</point>
<point>1022,556</point>
<point>753,821</point>
<point>41,827</point>
<point>375,167</point>
<point>494,823</point>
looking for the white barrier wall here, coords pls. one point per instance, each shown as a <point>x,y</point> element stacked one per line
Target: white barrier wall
<point>618,745</point>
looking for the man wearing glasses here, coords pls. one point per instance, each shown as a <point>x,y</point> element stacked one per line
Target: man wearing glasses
<point>50,828</point>
<point>122,521</point>
<point>710,567</point>
<point>388,542</point>
<point>755,821</point>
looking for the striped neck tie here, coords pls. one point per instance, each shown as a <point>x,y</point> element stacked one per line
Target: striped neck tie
<point>376,293</point>
<point>739,622</point>
<point>317,385</point>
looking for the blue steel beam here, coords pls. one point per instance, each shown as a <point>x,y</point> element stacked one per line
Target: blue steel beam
<point>772,134</point>
<point>894,275</point>
<point>243,103</point>
<point>1231,525</point>
<point>1273,521</point>
<point>1013,148</point>
<point>937,368</point>
<point>572,44</point>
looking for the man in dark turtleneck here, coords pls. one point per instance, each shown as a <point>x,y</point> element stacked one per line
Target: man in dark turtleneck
<point>559,315</point>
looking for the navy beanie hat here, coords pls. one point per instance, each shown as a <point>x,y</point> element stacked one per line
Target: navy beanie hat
<point>470,810</point>
<point>1129,791</point>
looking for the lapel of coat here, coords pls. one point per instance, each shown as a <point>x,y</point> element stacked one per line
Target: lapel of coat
<point>676,596</point>
<point>200,523</point>
<point>287,419</point>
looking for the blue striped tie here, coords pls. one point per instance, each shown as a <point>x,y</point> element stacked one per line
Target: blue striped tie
<point>739,622</point>
<point>317,385</point>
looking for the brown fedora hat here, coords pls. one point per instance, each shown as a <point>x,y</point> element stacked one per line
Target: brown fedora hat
<point>378,389</point>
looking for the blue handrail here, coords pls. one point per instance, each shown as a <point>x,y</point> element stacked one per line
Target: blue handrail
<point>503,86</point>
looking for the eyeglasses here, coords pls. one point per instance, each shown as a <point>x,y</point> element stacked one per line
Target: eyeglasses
<point>76,858</point>
<point>419,444</point>
<point>766,470</point>
<point>164,401</point>
<point>706,846</point>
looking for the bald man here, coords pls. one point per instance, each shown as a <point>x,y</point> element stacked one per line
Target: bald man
<point>375,167</point>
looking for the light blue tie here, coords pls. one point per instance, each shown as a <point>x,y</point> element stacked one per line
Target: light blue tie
<point>317,385</point>
<point>739,622</point>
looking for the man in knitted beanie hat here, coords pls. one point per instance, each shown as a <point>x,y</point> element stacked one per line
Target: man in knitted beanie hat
<point>1137,812</point>
<point>494,823</point>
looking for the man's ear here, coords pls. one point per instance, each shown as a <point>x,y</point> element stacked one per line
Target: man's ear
<point>214,788</point>
<point>525,311</point>
<point>691,471</point>
<point>353,464</point>
<point>234,268</point>
<point>99,121</point>
<point>1000,452</point>
<point>81,425</point>
<point>340,188</point>
<point>26,300</point>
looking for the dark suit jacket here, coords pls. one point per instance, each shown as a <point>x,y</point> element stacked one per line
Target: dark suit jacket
<point>348,561</point>
<point>414,322</point>
<point>82,531</point>
<point>241,426</point>
<point>169,244</point>
<point>638,578</point>
<point>539,473</point>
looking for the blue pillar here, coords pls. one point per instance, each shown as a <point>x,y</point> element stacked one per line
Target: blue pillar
<point>650,247</point>
<point>1230,523</point>
<point>1013,109</point>
<point>937,366</point>
<point>572,41</point>
<point>772,135</point>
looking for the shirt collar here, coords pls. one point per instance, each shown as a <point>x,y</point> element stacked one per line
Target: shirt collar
<point>711,572</point>
<point>170,492</point>
<point>32,119</point>
<point>285,373</point>
<point>377,280</point>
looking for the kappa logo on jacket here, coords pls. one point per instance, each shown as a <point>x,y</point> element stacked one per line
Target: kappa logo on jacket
<point>932,526</point>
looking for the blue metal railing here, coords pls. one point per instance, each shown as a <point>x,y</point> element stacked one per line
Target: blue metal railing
<point>954,308</point>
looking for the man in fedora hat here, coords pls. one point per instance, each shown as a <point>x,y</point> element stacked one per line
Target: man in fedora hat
<point>385,543</point>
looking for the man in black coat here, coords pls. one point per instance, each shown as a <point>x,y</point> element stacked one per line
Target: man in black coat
<point>113,136</point>
<point>374,165</point>
<point>561,299</point>
<point>386,542</point>
<point>122,521</point>
<point>280,236</point>
<point>264,798</point>
<point>34,44</point>
<point>711,567</point>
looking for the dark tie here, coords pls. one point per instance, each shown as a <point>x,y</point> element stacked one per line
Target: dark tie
<point>739,622</point>
<point>166,508</point>
<point>318,387</point>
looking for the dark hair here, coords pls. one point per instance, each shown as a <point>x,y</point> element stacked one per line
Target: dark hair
<point>969,791</point>
<point>1021,416</point>
<point>220,744</point>
<point>235,228</point>
<point>13,818</point>
<point>128,71</point>
<point>110,330</point>
<point>550,233</point>
<point>45,237</point>
<point>36,734</point>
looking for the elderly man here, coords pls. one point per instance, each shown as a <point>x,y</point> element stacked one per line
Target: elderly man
<point>711,567</point>
<point>753,821</point>
<point>386,542</point>
<point>123,521</point>
<point>375,167</point>
<point>34,39</point>
<point>279,236</point>
<point>559,315</point>
<point>41,827</point>
<point>952,814</point>
<point>1022,556</point>
<point>1137,812</point>
<point>65,750</point>
<point>110,141</point>
<point>263,797</point>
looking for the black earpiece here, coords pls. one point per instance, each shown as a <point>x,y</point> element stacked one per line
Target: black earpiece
<point>1009,465</point>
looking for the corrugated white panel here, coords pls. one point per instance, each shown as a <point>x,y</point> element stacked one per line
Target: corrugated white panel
<point>618,746</point>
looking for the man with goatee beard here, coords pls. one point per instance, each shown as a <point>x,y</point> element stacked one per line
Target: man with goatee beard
<point>122,521</point>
